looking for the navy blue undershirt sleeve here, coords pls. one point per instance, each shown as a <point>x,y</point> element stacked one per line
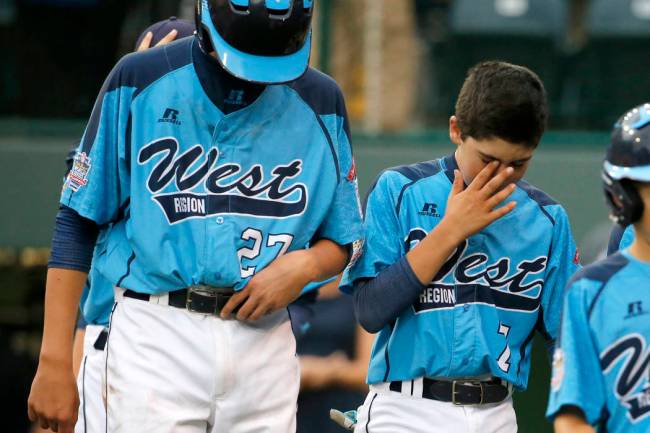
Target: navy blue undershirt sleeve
<point>380,300</point>
<point>73,241</point>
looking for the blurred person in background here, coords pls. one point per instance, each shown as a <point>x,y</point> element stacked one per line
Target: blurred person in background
<point>334,354</point>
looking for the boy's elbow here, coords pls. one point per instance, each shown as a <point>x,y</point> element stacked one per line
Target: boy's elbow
<point>366,316</point>
<point>370,326</point>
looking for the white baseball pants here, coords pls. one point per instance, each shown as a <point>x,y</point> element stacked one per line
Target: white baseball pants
<point>92,413</point>
<point>169,370</point>
<point>386,411</point>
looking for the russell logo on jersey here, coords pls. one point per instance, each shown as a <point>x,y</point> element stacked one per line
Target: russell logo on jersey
<point>228,190</point>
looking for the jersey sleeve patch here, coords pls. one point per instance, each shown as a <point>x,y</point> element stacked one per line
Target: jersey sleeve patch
<point>78,175</point>
<point>558,370</point>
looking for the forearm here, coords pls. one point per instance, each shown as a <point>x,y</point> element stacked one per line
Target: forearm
<point>325,259</point>
<point>571,423</point>
<point>428,257</point>
<point>62,294</point>
<point>380,300</point>
<point>77,350</point>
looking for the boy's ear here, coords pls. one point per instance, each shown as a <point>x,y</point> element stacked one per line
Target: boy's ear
<point>454,131</point>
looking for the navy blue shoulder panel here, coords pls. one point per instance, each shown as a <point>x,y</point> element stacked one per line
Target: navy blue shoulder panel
<point>602,270</point>
<point>539,196</point>
<point>139,70</point>
<point>615,239</point>
<point>321,93</point>
<point>415,172</point>
<point>419,170</point>
<point>412,172</point>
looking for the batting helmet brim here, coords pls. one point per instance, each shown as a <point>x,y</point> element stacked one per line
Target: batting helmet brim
<point>256,68</point>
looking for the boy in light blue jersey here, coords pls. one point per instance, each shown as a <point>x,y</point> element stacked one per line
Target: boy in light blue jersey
<point>463,262</point>
<point>600,368</point>
<point>214,160</point>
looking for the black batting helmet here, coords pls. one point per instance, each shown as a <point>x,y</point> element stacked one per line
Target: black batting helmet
<point>263,41</point>
<point>627,161</point>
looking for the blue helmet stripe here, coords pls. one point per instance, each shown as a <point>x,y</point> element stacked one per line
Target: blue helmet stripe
<point>278,4</point>
<point>641,173</point>
<point>260,69</point>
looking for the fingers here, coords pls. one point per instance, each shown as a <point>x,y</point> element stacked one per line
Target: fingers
<point>458,185</point>
<point>483,176</point>
<point>168,38</point>
<point>259,312</point>
<point>501,195</point>
<point>146,42</point>
<point>235,301</point>
<point>42,422</point>
<point>497,181</point>
<point>502,211</point>
<point>66,428</point>
<point>248,308</point>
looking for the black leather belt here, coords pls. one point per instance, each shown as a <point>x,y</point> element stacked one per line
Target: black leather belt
<point>198,299</point>
<point>461,392</point>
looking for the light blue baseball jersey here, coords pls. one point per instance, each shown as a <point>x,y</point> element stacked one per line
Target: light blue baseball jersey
<point>479,314</point>
<point>601,362</point>
<point>97,296</point>
<point>197,196</point>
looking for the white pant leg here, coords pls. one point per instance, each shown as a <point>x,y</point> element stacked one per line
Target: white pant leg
<point>263,397</point>
<point>92,413</point>
<point>160,369</point>
<point>499,417</point>
<point>169,370</point>
<point>385,411</point>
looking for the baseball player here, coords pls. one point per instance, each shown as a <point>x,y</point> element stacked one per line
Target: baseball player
<point>215,159</point>
<point>97,296</point>
<point>600,367</point>
<point>463,262</point>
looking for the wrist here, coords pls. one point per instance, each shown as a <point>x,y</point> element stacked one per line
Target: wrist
<point>306,261</point>
<point>451,231</point>
<point>54,359</point>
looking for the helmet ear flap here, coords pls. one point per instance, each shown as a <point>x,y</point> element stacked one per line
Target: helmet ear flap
<point>623,200</point>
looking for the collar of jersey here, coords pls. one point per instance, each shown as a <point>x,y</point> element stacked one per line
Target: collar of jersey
<point>449,164</point>
<point>198,57</point>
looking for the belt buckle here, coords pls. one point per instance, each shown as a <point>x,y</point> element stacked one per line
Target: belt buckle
<point>200,290</point>
<point>219,295</point>
<point>454,392</point>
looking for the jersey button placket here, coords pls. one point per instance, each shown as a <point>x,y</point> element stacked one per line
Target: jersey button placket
<point>217,227</point>
<point>465,319</point>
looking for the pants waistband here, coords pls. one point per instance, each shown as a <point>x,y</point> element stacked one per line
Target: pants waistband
<point>199,299</point>
<point>457,391</point>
